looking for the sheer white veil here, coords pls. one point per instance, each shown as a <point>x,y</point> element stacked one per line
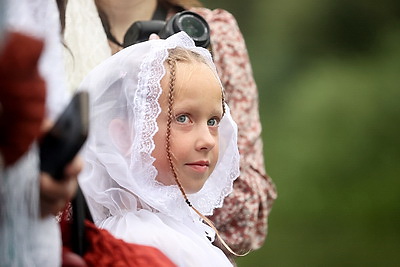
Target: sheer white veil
<point>127,86</point>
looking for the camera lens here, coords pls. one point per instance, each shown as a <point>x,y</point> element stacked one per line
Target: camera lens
<point>192,23</point>
<point>192,27</point>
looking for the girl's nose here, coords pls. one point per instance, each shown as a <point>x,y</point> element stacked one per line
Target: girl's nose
<point>206,140</point>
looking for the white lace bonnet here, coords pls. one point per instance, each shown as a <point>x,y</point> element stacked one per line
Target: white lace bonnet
<point>127,85</point>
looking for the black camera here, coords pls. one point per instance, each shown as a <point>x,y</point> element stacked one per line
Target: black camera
<point>191,23</point>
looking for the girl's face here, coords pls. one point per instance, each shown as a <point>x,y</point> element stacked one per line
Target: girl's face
<point>197,111</point>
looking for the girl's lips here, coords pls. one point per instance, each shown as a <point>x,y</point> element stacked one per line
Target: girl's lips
<point>199,166</point>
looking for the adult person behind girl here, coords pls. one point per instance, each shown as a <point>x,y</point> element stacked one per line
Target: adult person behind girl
<point>163,148</point>
<point>242,220</point>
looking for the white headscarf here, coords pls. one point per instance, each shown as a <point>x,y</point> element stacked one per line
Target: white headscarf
<point>120,188</point>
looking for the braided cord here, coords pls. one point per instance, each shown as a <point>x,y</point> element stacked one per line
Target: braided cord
<point>172,66</point>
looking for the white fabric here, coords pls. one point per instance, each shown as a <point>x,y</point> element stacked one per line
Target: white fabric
<point>120,188</point>
<point>185,245</point>
<point>33,17</point>
<point>51,64</point>
<point>25,238</point>
<point>3,8</point>
<point>86,42</point>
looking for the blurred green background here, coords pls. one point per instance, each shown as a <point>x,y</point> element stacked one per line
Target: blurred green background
<point>328,77</point>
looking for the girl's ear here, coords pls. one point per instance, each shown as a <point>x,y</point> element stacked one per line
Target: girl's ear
<point>119,132</point>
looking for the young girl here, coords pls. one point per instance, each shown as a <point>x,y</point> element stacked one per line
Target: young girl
<point>162,150</point>
<point>90,25</point>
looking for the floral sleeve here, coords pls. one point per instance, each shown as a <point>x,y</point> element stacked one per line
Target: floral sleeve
<point>242,221</point>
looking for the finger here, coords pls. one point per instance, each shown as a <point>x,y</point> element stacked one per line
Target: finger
<point>71,187</point>
<point>154,36</point>
<point>51,189</point>
<point>52,207</point>
<point>55,195</point>
<point>74,167</point>
<point>46,125</point>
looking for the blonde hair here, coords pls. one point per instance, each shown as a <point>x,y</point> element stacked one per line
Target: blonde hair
<point>181,55</point>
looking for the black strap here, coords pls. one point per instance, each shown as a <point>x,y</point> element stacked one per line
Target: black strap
<point>112,38</point>
<point>80,212</point>
<point>159,14</point>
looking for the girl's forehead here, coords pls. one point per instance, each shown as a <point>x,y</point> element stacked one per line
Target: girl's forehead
<point>196,81</point>
<point>188,71</point>
<point>190,78</point>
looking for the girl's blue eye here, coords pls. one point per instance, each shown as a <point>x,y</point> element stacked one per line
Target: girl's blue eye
<point>182,118</point>
<point>213,122</point>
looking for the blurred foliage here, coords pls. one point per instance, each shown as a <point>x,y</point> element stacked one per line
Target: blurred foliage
<point>328,77</point>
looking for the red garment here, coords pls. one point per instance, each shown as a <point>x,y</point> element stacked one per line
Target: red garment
<point>22,95</point>
<point>106,250</point>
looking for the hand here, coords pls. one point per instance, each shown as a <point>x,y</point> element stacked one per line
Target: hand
<point>55,194</point>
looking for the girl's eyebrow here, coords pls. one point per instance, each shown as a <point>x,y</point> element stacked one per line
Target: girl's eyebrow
<point>189,109</point>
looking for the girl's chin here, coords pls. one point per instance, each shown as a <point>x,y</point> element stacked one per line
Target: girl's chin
<point>189,189</point>
<point>192,189</point>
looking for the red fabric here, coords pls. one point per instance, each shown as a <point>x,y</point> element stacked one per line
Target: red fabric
<point>104,250</point>
<point>70,259</point>
<point>22,95</point>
